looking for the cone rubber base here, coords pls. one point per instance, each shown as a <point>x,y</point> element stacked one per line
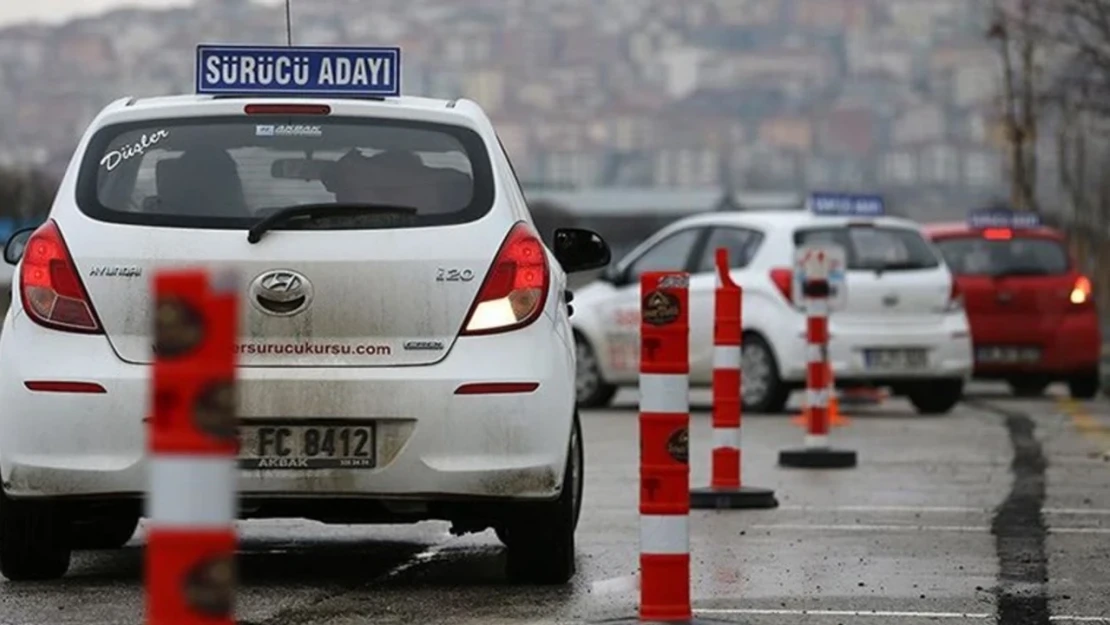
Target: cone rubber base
<point>744,497</point>
<point>819,458</point>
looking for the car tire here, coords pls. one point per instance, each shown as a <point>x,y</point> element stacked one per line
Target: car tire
<point>1084,386</point>
<point>758,359</point>
<point>34,540</point>
<point>103,533</point>
<point>1028,388</point>
<point>539,539</point>
<point>591,389</point>
<point>938,397</point>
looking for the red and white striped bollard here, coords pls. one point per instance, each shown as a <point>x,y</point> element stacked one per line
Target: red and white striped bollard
<point>193,442</point>
<point>817,454</point>
<point>725,488</point>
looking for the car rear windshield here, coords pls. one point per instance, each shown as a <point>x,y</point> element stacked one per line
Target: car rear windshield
<point>230,172</point>
<point>877,248</point>
<point>997,257</point>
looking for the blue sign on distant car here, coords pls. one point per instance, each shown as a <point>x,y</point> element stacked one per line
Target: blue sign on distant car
<point>298,71</point>
<point>846,204</point>
<point>1003,218</point>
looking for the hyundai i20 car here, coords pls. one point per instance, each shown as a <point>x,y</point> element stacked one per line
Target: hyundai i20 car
<point>402,324</point>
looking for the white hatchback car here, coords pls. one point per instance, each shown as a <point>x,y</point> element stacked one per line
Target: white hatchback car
<point>395,293</point>
<point>903,325</point>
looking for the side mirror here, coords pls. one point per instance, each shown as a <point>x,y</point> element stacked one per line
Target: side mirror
<point>578,249</point>
<point>17,242</point>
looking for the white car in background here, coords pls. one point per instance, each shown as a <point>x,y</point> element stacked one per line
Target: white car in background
<point>403,328</point>
<point>903,326</point>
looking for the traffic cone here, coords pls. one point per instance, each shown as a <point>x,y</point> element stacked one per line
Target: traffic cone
<point>835,418</point>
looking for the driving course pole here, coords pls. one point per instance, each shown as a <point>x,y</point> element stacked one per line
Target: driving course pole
<point>664,450</point>
<point>664,447</point>
<point>725,489</point>
<point>817,454</point>
<point>193,444</point>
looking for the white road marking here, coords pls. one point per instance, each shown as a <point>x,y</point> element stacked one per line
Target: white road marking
<point>1078,512</point>
<point>757,612</point>
<point>873,528</point>
<point>923,509</point>
<point>915,528</point>
<point>941,510</point>
<point>886,614</point>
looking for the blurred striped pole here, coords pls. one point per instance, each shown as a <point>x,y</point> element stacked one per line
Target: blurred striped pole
<point>725,488</point>
<point>664,447</point>
<point>193,445</point>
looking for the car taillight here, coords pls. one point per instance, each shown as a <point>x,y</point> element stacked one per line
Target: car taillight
<point>515,290</point>
<point>50,287</point>
<point>1081,292</point>
<point>955,298</point>
<point>783,279</point>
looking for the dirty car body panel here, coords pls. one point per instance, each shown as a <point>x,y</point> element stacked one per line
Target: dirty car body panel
<point>365,331</point>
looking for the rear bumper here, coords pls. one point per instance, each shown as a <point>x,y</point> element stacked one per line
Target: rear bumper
<point>1070,345</point>
<point>947,343</point>
<point>431,443</point>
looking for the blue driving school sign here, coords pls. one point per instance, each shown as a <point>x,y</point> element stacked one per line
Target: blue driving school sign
<point>298,71</point>
<point>1003,218</point>
<point>846,204</point>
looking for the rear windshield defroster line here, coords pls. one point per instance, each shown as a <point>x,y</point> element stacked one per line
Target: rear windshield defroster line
<point>442,168</point>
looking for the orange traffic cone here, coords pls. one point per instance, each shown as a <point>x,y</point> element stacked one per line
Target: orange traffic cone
<point>835,418</point>
<point>864,396</point>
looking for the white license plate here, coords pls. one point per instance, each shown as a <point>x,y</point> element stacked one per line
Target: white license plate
<point>281,446</point>
<point>1007,354</point>
<point>896,359</point>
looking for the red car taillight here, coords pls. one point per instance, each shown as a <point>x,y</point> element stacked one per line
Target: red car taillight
<point>515,290</point>
<point>1081,292</point>
<point>50,287</point>
<point>783,278</point>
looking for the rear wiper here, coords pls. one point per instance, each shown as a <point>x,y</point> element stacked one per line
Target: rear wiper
<point>312,211</point>
<point>879,268</point>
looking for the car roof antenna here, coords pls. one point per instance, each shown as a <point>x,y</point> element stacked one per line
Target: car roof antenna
<point>289,23</point>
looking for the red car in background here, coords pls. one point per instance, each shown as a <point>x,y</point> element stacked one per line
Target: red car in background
<point>1032,316</point>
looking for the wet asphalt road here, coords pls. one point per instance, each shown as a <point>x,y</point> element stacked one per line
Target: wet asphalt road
<point>998,512</point>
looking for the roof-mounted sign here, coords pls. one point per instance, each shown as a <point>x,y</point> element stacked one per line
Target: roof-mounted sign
<point>298,71</point>
<point>846,204</point>
<point>1003,218</point>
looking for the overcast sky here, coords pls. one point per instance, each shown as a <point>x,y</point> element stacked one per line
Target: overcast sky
<point>54,11</point>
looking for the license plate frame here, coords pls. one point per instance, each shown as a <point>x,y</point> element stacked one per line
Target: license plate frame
<point>1008,354</point>
<point>287,445</point>
<point>896,359</point>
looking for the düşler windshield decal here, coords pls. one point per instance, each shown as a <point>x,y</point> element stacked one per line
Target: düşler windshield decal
<point>112,159</point>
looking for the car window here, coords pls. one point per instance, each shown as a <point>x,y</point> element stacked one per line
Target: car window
<point>875,247</point>
<point>741,244</point>
<point>1018,256</point>
<point>670,254</point>
<point>227,172</point>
